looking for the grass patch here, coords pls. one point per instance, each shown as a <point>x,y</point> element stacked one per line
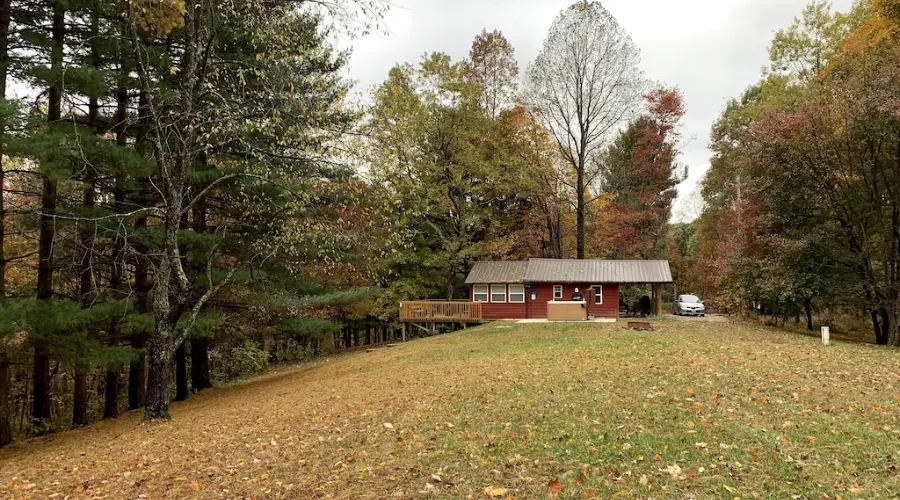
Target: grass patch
<point>695,410</point>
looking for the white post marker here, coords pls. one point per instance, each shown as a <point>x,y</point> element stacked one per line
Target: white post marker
<point>826,335</point>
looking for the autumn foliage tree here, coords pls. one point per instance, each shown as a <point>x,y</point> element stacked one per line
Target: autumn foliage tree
<point>492,67</point>
<point>802,193</point>
<point>640,173</point>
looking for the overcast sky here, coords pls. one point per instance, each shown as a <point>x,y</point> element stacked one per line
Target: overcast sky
<point>710,49</point>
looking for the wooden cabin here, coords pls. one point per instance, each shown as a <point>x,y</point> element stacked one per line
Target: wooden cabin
<point>544,288</point>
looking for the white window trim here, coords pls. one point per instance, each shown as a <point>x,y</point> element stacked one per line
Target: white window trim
<point>497,293</point>
<point>511,293</point>
<point>555,288</point>
<point>596,288</point>
<point>486,293</point>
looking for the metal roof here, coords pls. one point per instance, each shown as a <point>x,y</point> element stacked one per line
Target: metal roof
<point>497,272</point>
<point>598,271</point>
<point>572,271</point>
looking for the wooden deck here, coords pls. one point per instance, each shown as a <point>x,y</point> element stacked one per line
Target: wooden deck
<point>440,312</point>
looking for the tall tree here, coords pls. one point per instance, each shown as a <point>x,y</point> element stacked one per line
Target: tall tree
<point>802,50</point>
<point>41,414</point>
<point>5,410</point>
<point>585,83</point>
<point>492,66</point>
<point>268,129</point>
<point>640,172</point>
<point>428,132</point>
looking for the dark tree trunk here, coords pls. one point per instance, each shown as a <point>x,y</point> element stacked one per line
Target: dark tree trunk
<point>41,414</point>
<point>137,373</point>
<point>200,377</point>
<point>807,306</point>
<point>891,334</point>
<point>111,396</point>
<point>79,401</point>
<point>368,333</point>
<point>5,15</point>
<point>181,380</point>
<point>451,282</point>
<point>881,334</point>
<point>159,359</point>
<point>5,413</point>
<point>876,326</point>
<point>579,211</point>
<point>41,418</point>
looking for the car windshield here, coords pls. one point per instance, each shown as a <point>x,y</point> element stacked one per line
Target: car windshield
<point>690,299</point>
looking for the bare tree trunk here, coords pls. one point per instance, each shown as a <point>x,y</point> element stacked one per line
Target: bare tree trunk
<point>159,358</point>
<point>579,212</point>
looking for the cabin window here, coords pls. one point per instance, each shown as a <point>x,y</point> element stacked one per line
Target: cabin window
<point>480,293</point>
<point>516,294</point>
<point>498,294</point>
<point>598,294</point>
<point>557,292</point>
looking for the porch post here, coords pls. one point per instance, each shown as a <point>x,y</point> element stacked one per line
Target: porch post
<point>657,300</point>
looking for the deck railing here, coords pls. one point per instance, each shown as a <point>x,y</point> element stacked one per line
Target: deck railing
<point>437,312</point>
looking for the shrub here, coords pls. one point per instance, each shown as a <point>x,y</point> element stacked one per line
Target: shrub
<point>233,362</point>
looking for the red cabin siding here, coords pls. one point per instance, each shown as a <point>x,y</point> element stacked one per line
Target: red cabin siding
<point>537,308</point>
<point>497,311</point>
<point>610,306</point>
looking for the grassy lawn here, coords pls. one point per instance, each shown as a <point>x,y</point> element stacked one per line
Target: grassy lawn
<point>692,410</point>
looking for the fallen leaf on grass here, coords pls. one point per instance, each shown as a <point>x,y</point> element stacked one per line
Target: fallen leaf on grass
<point>674,470</point>
<point>554,485</point>
<point>494,491</point>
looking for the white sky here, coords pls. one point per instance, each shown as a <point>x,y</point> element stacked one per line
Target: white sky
<point>710,49</point>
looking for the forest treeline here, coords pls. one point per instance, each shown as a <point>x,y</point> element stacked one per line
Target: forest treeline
<point>801,205</point>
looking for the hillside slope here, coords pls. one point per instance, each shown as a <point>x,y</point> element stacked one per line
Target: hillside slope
<point>717,410</point>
